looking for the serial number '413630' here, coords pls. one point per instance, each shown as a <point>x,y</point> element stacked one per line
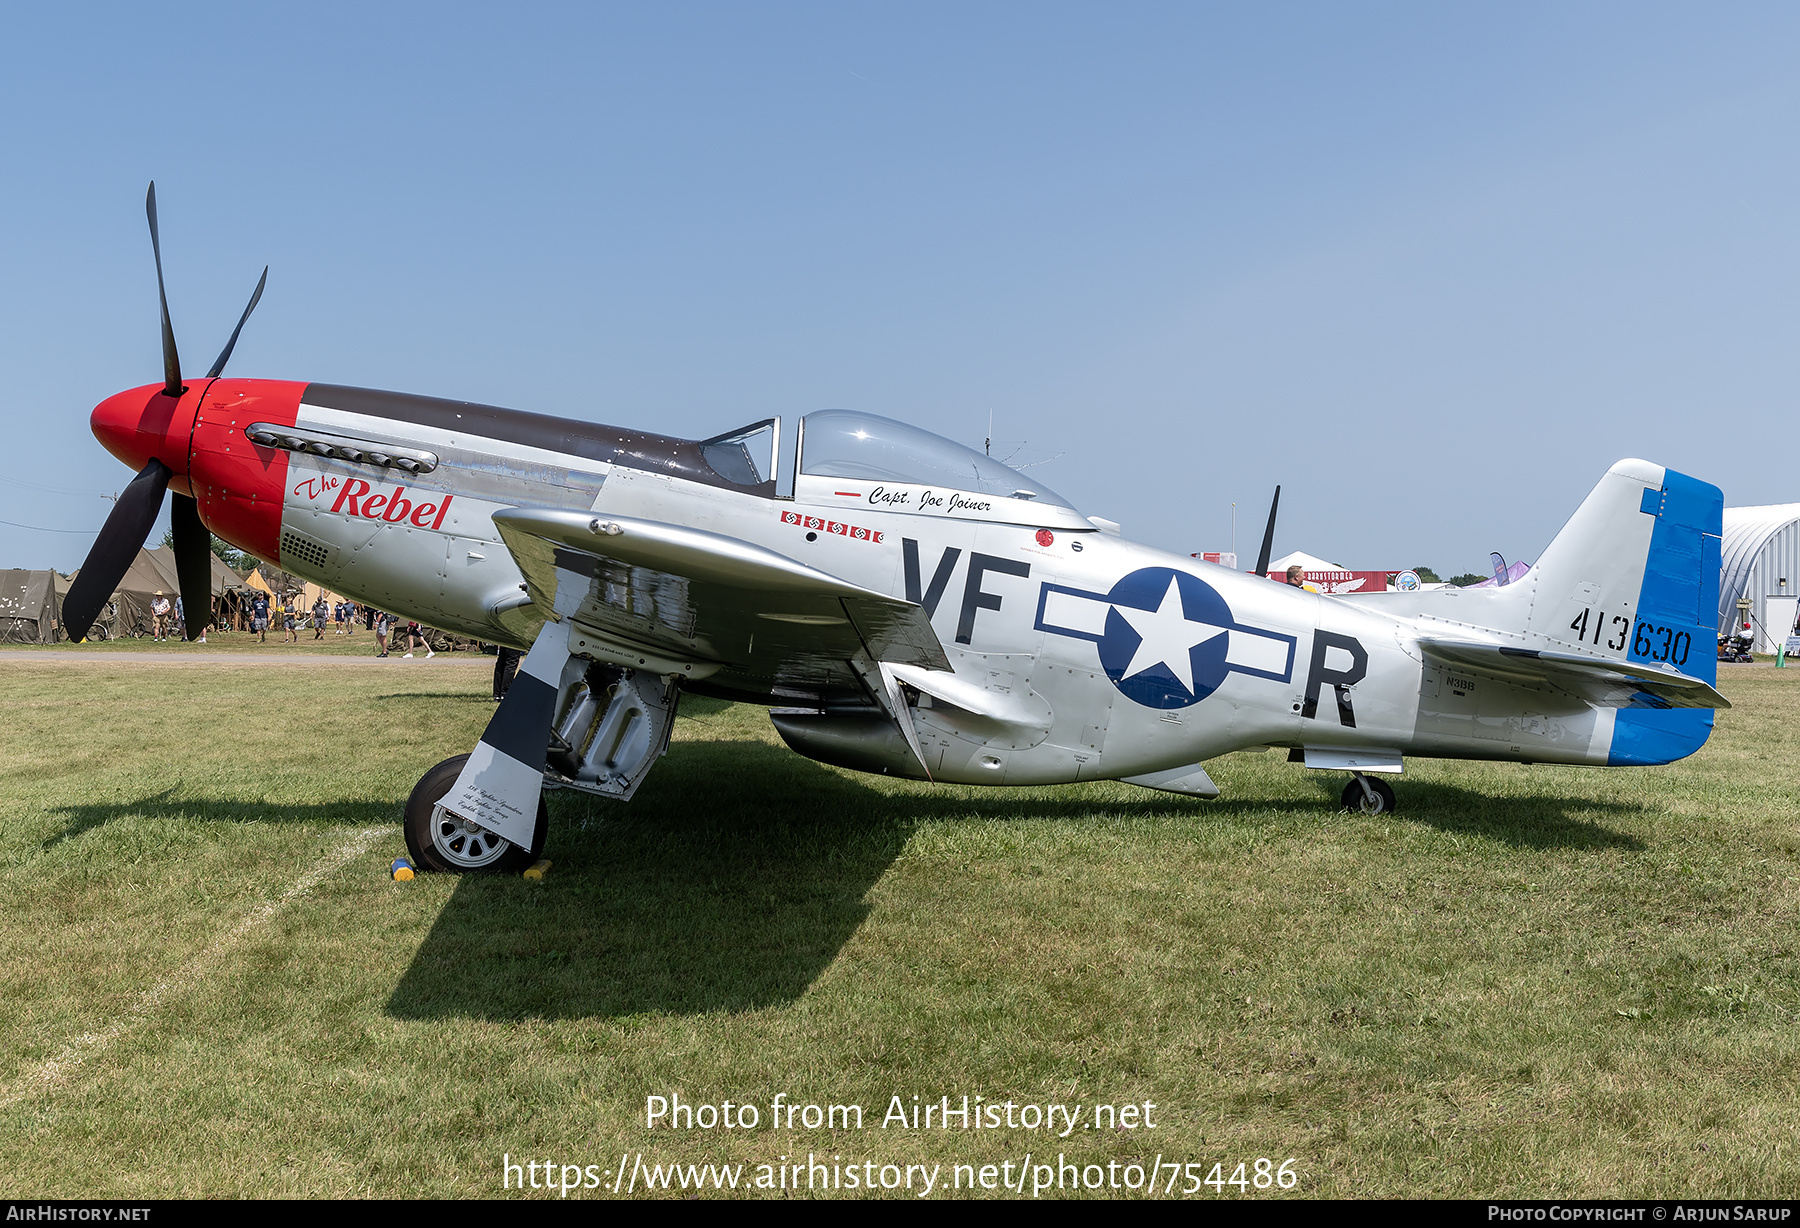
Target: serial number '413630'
<point>1651,643</point>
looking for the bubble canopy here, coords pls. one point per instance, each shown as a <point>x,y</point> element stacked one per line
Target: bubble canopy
<point>842,443</point>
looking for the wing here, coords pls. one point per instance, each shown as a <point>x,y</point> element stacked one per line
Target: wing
<point>653,595</point>
<point>1601,681</point>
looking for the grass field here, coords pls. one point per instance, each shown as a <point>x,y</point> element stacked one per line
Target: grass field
<point>1533,981</point>
<point>358,643</point>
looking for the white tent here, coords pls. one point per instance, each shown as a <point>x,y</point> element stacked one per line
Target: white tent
<point>1308,562</point>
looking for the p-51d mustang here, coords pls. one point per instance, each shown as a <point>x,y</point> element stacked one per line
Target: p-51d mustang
<point>905,604</point>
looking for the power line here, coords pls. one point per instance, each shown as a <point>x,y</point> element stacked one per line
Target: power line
<point>54,490</point>
<point>41,529</point>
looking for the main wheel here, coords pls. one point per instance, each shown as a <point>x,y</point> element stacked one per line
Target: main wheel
<point>1355,799</point>
<point>456,846</point>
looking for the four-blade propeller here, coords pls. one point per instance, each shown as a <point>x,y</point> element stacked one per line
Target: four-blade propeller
<point>134,515</point>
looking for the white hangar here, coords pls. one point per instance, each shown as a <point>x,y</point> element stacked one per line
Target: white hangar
<point>1760,559</point>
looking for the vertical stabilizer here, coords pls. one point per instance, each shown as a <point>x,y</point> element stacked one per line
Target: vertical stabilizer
<point>1635,575</point>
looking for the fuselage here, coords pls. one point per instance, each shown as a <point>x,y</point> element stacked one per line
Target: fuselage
<point>1125,660</point>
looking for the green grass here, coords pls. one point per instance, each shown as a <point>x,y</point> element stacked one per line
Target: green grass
<point>1532,981</point>
<point>359,644</point>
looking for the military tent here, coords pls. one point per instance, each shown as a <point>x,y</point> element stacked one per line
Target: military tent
<point>127,611</point>
<point>163,560</point>
<point>30,607</point>
<point>226,583</point>
<point>223,578</point>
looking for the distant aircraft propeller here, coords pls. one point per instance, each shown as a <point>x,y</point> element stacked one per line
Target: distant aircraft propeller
<point>134,515</point>
<point>1262,560</point>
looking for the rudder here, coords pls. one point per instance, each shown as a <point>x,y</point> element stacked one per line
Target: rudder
<point>1676,617</point>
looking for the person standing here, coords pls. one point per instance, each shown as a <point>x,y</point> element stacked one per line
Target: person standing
<point>159,615</point>
<point>259,616</point>
<point>379,620</point>
<point>320,612</point>
<point>414,642</point>
<point>180,630</point>
<point>287,619</point>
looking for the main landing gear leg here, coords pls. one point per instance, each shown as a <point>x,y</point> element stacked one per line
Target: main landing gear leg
<point>1368,795</point>
<point>490,815</point>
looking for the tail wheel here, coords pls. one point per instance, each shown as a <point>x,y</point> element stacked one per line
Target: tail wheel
<point>454,846</point>
<point>1378,800</point>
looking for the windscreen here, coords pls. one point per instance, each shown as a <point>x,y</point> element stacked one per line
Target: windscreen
<point>842,443</point>
<point>745,456</point>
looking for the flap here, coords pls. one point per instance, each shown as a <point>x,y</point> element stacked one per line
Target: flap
<point>1353,759</point>
<point>1019,709</point>
<point>1602,681</point>
<point>684,594</point>
<point>1192,781</point>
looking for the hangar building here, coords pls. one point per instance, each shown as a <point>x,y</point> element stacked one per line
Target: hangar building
<point>1760,558</point>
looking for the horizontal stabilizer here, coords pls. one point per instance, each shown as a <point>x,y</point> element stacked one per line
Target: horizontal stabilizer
<point>1602,681</point>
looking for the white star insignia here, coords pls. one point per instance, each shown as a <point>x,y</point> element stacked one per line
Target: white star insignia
<point>1167,637</point>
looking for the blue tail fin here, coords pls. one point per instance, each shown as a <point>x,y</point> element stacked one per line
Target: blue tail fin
<point>1676,618</point>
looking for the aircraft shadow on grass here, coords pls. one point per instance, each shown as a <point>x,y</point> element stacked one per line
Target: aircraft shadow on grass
<point>730,883</point>
<point>79,820</point>
<point>738,875</point>
<point>704,897</point>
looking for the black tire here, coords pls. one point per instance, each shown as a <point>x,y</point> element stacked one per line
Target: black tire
<point>1355,799</point>
<point>456,849</point>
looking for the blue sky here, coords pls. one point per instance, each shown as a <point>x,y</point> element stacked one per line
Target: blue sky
<point>1431,267</point>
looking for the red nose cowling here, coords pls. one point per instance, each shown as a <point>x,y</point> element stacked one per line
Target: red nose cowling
<point>141,423</point>
<point>237,485</point>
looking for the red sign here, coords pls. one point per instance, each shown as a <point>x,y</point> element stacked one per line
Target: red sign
<point>1341,581</point>
<point>391,506</point>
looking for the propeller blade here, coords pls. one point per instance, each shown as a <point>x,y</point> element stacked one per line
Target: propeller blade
<point>218,368</point>
<point>132,518</point>
<point>171,360</point>
<point>1262,560</point>
<point>193,563</point>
